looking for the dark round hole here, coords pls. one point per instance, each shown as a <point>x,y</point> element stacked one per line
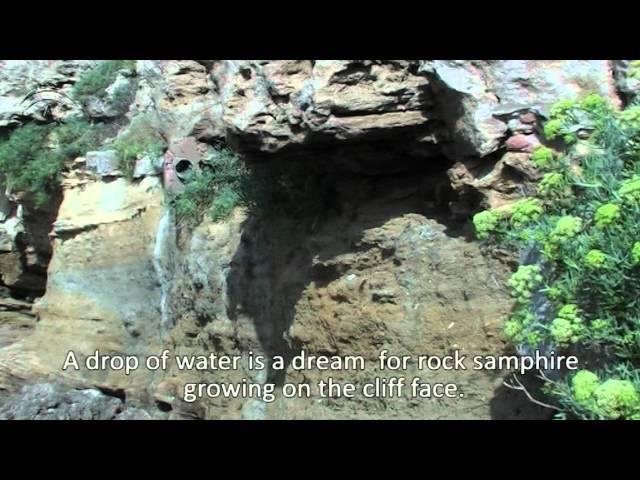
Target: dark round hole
<point>164,406</point>
<point>183,165</point>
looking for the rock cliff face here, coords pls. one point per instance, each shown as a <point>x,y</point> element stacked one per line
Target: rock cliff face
<point>410,149</point>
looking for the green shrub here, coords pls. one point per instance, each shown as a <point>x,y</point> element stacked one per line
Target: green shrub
<point>585,222</point>
<point>28,164</point>
<point>95,81</point>
<point>279,189</point>
<point>217,189</point>
<point>33,156</point>
<point>140,139</point>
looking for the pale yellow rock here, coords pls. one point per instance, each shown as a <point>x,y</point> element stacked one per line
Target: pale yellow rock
<point>102,292</point>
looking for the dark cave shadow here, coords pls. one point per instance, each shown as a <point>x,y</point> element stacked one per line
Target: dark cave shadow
<point>509,404</point>
<point>282,249</point>
<point>280,256</point>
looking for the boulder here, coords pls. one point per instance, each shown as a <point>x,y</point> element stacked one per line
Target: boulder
<point>104,163</point>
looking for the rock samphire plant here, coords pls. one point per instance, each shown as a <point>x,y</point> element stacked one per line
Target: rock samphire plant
<point>584,223</point>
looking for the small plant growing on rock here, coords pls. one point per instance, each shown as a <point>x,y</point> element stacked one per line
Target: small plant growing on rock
<point>140,139</point>
<point>217,189</point>
<point>595,259</point>
<point>524,281</point>
<point>95,81</point>
<point>487,222</point>
<point>607,214</point>
<point>543,157</point>
<point>568,326</point>
<point>526,211</point>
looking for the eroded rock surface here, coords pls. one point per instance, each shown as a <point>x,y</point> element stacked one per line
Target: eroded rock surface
<point>46,401</point>
<point>21,78</point>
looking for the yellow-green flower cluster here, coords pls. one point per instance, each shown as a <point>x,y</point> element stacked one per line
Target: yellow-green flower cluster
<point>630,117</point>
<point>524,281</point>
<point>566,228</point>
<point>552,129</point>
<point>513,331</point>
<point>552,183</point>
<point>607,214</point>
<point>599,326</point>
<point>635,253</point>
<point>486,222</point>
<point>525,211</point>
<point>595,259</point>
<point>583,384</point>
<point>615,399</point>
<point>561,108</point>
<point>612,399</point>
<point>515,327</point>
<point>558,117</point>
<point>594,103</point>
<point>554,293</point>
<point>567,327</point>
<point>534,338</point>
<point>630,189</point>
<point>542,157</point>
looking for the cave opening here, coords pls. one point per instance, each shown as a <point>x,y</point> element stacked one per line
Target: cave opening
<point>354,188</point>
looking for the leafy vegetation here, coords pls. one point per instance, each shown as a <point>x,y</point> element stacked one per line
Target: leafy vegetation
<point>95,81</point>
<point>217,189</point>
<point>583,224</point>
<point>138,140</point>
<point>225,182</point>
<point>32,157</point>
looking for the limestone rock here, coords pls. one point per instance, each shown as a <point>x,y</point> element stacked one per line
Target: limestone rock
<point>46,401</point>
<point>148,166</point>
<point>104,163</point>
<point>102,289</point>
<point>522,143</point>
<point>272,105</point>
<point>16,320</point>
<point>116,99</point>
<point>19,78</point>
<point>476,95</point>
<point>375,277</point>
<point>468,104</point>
